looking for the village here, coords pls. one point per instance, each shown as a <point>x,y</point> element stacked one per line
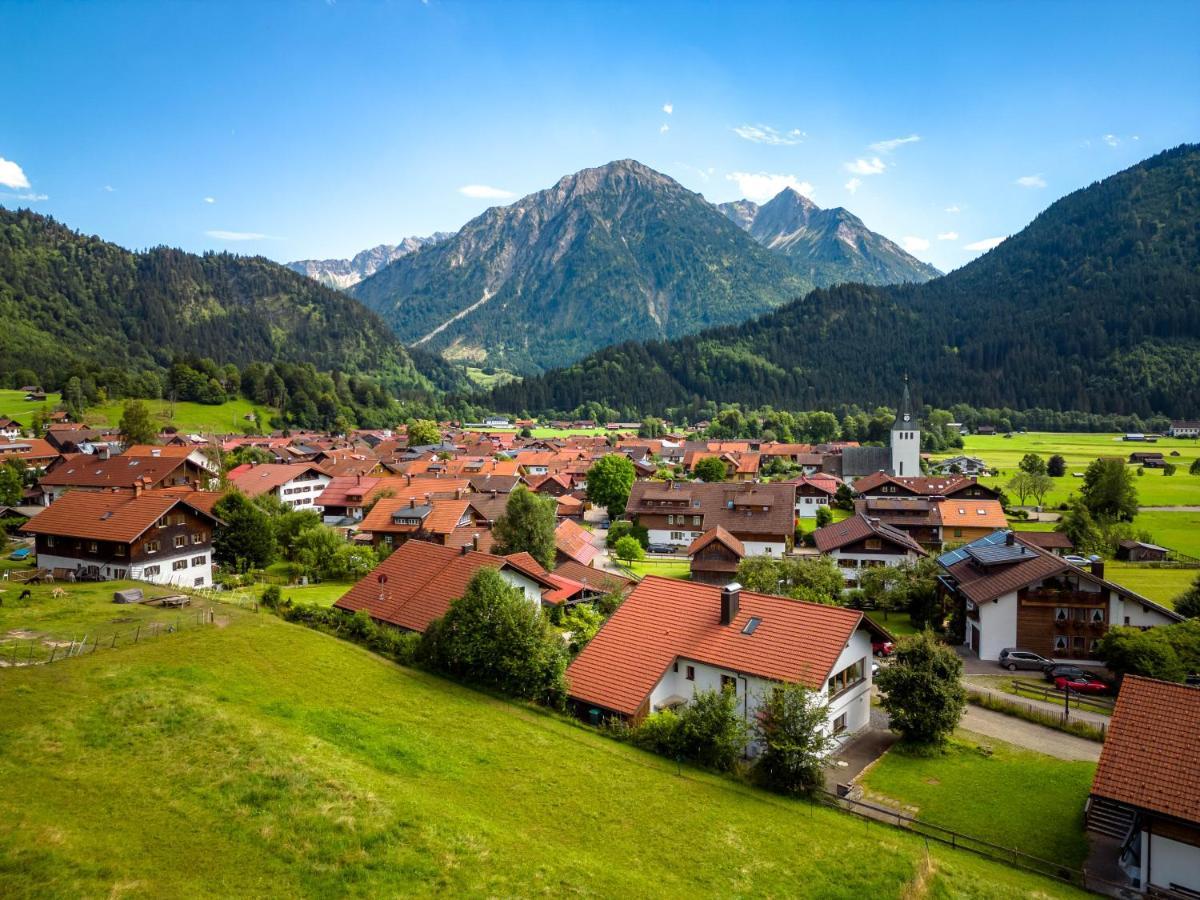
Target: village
<point>678,572</point>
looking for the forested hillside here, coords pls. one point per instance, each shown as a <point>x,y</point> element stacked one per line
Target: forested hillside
<point>1095,306</point>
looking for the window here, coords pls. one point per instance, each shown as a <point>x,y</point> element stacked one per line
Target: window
<point>691,673</point>
<point>675,666</point>
<point>677,535</point>
<point>119,550</point>
<point>118,574</point>
<point>847,678</point>
<point>199,537</point>
<point>162,523</point>
<point>1060,643</point>
<point>873,544</point>
<point>50,543</point>
<point>839,724</point>
<point>179,565</point>
<point>958,532</point>
<point>180,541</point>
<point>181,519</point>
<point>93,547</point>
<point>199,582</point>
<point>199,560</point>
<point>150,546</point>
<point>728,683</point>
<point>1060,614</point>
<point>751,625</point>
<point>151,571</point>
<point>696,521</point>
<point>670,520</point>
<point>1097,617</point>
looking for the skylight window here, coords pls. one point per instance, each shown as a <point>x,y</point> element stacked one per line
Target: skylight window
<point>751,625</point>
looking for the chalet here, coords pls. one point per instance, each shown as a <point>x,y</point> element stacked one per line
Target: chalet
<point>196,462</point>
<point>986,430</point>
<point>137,534</point>
<point>34,453</point>
<point>1144,807</point>
<point>962,465</point>
<point>592,583</point>
<point>84,472</point>
<point>297,485</point>
<point>501,484</point>
<point>813,492</point>
<point>861,542</point>
<point>715,556</point>
<point>881,484</point>
<point>574,542</point>
<point>915,516</point>
<point>962,519</point>
<point>416,583</point>
<point>393,521</point>
<point>1185,428</point>
<point>761,516</point>
<point>671,639</point>
<point>1055,542</point>
<point>346,498</point>
<point>1012,593</point>
<point>10,429</point>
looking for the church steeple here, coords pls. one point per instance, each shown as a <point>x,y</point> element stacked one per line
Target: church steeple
<point>906,438</point>
<point>905,418</point>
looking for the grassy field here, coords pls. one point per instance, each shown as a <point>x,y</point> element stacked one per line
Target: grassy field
<point>14,405</point>
<point>1177,530</point>
<point>1160,585</point>
<point>1154,489</point>
<point>482,379</point>
<point>1012,797</point>
<point>670,569</point>
<point>225,418</point>
<point>267,759</point>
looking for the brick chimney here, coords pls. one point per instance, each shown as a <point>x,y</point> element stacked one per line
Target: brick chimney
<point>731,599</point>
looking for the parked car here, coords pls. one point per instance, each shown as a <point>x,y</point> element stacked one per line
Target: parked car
<point>1088,684</point>
<point>660,548</point>
<point>882,648</point>
<point>1077,560</point>
<point>20,553</point>
<point>874,670</point>
<point>1063,670</point>
<point>1012,658</point>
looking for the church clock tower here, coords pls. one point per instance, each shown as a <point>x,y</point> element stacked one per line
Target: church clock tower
<point>906,439</point>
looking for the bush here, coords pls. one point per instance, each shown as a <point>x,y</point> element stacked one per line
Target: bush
<point>1131,651</point>
<point>824,516</point>
<point>922,690</point>
<point>659,733</point>
<point>271,596</point>
<point>629,550</point>
<point>623,528</point>
<point>709,731</point>
<point>791,726</point>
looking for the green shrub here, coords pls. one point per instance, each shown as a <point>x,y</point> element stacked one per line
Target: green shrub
<point>922,689</point>
<point>271,596</point>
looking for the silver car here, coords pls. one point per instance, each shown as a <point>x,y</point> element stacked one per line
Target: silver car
<point>1012,659</point>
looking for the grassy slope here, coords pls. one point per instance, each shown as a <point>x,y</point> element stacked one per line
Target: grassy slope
<point>223,418</point>
<point>1159,585</point>
<point>264,758</point>
<point>1014,798</point>
<point>14,405</point>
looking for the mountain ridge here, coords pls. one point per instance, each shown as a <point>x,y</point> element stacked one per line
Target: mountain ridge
<point>345,273</point>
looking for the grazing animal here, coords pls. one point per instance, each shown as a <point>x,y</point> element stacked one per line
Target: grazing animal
<point>58,592</point>
<point>25,594</point>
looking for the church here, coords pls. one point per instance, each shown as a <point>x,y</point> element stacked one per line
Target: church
<point>903,455</point>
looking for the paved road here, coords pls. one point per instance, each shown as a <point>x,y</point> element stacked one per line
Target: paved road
<point>1054,708</point>
<point>1029,735</point>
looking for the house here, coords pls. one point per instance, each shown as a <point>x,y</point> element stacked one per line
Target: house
<point>671,639</point>
<point>144,535</point>
<point>85,472</point>
<point>593,583</point>
<point>416,583</point>
<point>1011,593</point>
<point>34,453</point>
<point>986,429</point>
<point>1055,542</point>
<point>965,465</point>
<point>915,516</point>
<point>1185,428</point>
<point>1148,460</point>
<point>715,556</point>
<point>574,542</point>
<point>393,521</point>
<point>1144,806</point>
<point>345,499</point>
<point>813,492</point>
<point>963,519</point>
<point>1140,551</point>
<point>881,484</point>
<point>861,542</point>
<point>196,462</point>
<point>10,429</point>
<point>297,485</point>
<point>761,516</point>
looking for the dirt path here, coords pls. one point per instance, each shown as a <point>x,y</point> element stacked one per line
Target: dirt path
<point>1029,735</point>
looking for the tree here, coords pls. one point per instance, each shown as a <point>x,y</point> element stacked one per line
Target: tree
<point>791,725</point>
<point>711,469</point>
<point>1078,525</point>
<point>423,433</point>
<point>527,525</point>
<point>1187,604</point>
<point>824,516</point>
<point>314,549</point>
<point>1033,464</point>
<point>136,426</point>
<point>1039,486</point>
<point>629,550</point>
<point>73,398</point>
<point>1057,466</point>
<point>1021,484</point>
<point>1194,468</point>
<point>1131,651</point>
<point>708,731</point>
<point>1109,492</point>
<point>246,538</point>
<point>623,527</point>
<point>1169,468</point>
<point>609,481</point>
<point>288,524</point>
<point>494,636</point>
<point>813,578</point>
<point>921,689</point>
<point>12,483</point>
<point>651,427</point>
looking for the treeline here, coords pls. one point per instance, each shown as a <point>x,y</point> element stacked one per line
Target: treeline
<point>1094,307</point>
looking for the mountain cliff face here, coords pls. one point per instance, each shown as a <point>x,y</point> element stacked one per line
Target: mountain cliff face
<point>828,246</point>
<point>605,255</point>
<point>345,273</point>
<point>1094,306</point>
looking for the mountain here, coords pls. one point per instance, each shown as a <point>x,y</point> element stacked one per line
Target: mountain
<point>67,299</point>
<point>828,245</point>
<point>1094,306</point>
<point>345,273</point>
<point>606,255</point>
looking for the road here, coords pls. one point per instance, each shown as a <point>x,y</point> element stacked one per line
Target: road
<point>1029,735</point>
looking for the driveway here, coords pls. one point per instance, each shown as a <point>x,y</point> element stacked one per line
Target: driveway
<point>1029,735</point>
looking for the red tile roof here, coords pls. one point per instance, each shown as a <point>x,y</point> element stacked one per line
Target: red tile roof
<point>105,515</point>
<point>416,583</point>
<point>962,513</point>
<point>253,481</point>
<point>443,516</point>
<point>860,526</point>
<point>720,535</point>
<point>1151,756</point>
<point>665,619</point>
<point>574,542</point>
<point>88,471</point>
<point>595,579</point>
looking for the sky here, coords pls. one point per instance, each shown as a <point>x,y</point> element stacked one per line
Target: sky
<point>312,128</point>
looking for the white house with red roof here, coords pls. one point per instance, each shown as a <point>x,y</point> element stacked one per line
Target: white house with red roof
<point>671,639</point>
<point>298,485</point>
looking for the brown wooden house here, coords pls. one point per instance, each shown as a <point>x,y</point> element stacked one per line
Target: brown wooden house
<point>715,556</point>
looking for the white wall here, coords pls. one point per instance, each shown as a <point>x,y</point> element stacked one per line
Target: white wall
<point>531,589</point>
<point>997,626</point>
<point>303,494</point>
<point>806,507</point>
<point>167,575</point>
<point>853,573</point>
<point>1171,862</point>
<point>856,702</point>
<point>663,536</point>
<point>1139,616</point>
<point>765,548</point>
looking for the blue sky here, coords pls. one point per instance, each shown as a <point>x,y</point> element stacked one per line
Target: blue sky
<point>315,129</point>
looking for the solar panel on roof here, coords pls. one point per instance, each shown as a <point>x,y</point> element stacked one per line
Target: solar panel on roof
<point>957,556</point>
<point>998,555</point>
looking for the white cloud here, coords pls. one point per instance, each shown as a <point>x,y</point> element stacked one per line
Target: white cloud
<point>853,184</point>
<point>948,236</point>
<point>953,208</point>
<point>872,166</point>
<point>1031,181</point>
<point>221,235</point>
<point>484,192</point>
<point>889,146</point>
<point>765,134</point>
<point>210,199</point>
<point>668,108</point>
<point>985,244</point>
<point>1136,137</point>
<point>109,189</point>
<point>11,174</point>
<point>915,244</point>
<point>664,129</point>
<point>28,195</point>
<point>761,186</point>
<point>1112,140</point>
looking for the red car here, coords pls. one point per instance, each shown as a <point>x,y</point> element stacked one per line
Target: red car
<point>1081,685</point>
<point>882,648</point>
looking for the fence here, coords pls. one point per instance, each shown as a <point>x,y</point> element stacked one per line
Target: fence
<point>1049,694</point>
<point>1012,706</point>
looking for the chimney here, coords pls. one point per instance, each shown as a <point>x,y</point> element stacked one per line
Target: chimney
<point>463,550</point>
<point>412,502</point>
<point>1097,565</point>
<point>137,488</point>
<point>731,596</point>
<point>458,493</point>
<point>475,542</point>
<point>407,480</point>
<point>1010,539</point>
<point>102,452</point>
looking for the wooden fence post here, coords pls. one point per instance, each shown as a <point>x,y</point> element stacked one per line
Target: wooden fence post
<point>137,634</point>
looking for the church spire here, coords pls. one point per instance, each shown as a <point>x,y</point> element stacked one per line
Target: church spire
<point>905,418</point>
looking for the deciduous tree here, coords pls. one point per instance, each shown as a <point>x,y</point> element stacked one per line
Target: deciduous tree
<point>609,481</point>
<point>711,469</point>
<point>526,526</point>
<point>136,425</point>
<point>791,725</point>
<point>1109,491</point>
<point>922,691</point>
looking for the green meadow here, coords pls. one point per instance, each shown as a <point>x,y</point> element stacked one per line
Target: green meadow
<point>14,405</point>
<point>223,418</point>
<point>263,758</point>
